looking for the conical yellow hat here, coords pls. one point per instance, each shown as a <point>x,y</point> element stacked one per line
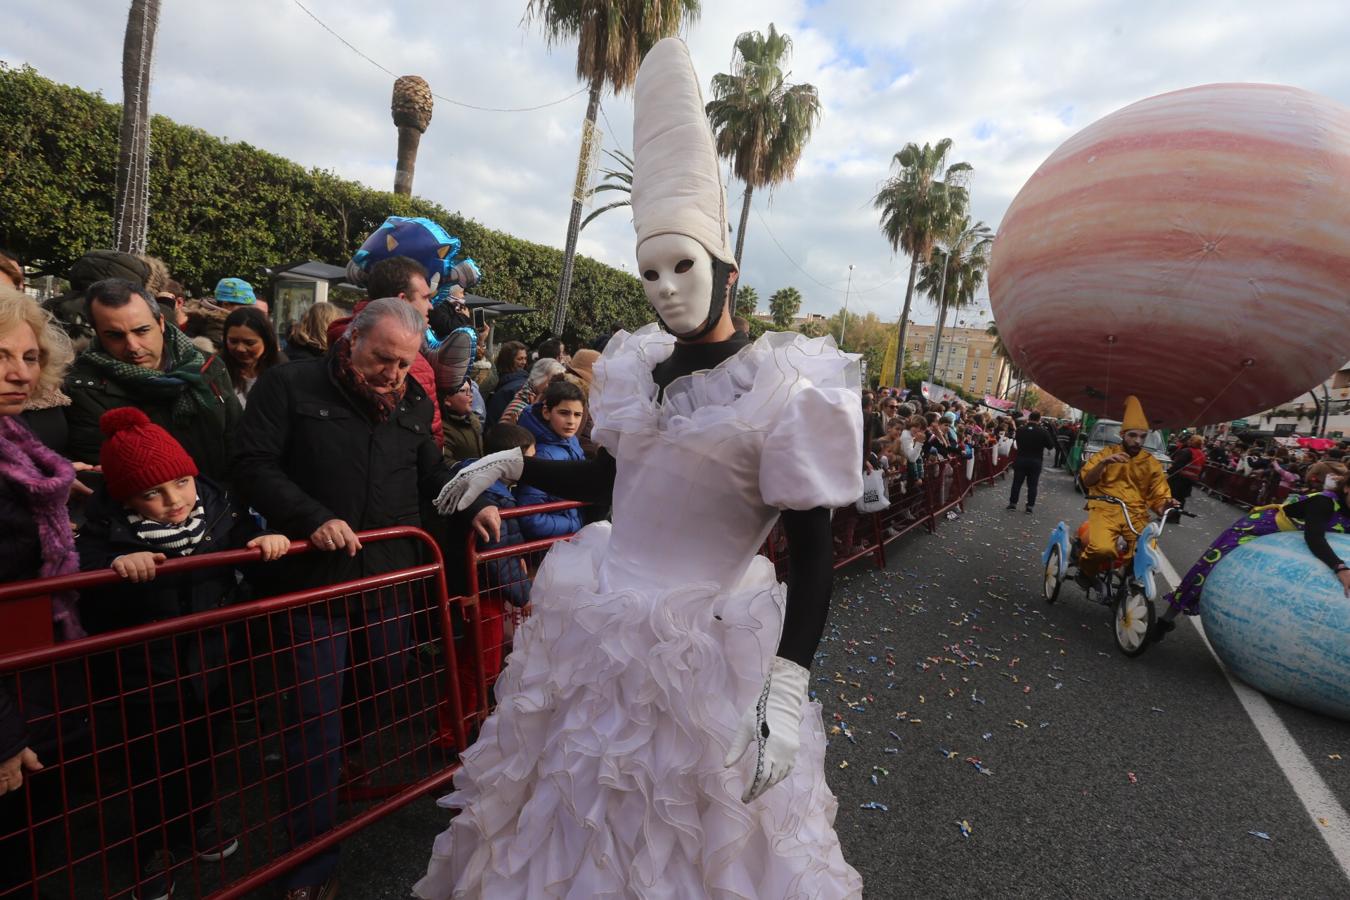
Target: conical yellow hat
<point>1134,416</point>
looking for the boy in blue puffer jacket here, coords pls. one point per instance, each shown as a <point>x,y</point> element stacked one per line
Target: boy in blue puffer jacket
<point>554,422</point>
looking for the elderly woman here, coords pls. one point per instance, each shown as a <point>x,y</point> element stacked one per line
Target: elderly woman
<point>544,370</point>
<point>35,485</point>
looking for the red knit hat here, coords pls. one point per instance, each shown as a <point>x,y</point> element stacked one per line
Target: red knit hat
<point>138,454</point>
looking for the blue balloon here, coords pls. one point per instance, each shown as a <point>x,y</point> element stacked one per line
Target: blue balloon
<point>1280,620</point>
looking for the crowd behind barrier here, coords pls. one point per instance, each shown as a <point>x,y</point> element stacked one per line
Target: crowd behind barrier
<point>1243,489</point>
<point>121,773</point>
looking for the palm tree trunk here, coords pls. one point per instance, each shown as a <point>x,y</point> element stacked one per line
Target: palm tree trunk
<point>574,222</point>
<point>409,139</point>
<point>740,241</point>
<point>904,323</point>
<point>942,317</point>
<point>132,200</point>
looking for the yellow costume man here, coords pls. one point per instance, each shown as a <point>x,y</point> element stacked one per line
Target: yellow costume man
<point>1128,473</point>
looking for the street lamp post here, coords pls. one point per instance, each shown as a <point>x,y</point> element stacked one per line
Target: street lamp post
<point>843,323</point>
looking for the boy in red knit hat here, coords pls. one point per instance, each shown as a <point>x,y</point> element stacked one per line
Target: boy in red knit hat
<point>153,506</point>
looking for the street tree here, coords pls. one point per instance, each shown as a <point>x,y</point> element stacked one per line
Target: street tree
<point>784,306</point>
<point>917,205</point>
<point>131,204</point>
<point>955,272</point>
<point>761,122</point>
<point>612,37</point>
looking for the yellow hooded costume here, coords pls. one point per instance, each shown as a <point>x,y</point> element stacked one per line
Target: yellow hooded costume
<point>1141,483</point>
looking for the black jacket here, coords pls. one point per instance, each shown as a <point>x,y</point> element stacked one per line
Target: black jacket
<point>307,453</point>
<point>1032,441</point>
<point>206,437</point>
<point>107,535</point>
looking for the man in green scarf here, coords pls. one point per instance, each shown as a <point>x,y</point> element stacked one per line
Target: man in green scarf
<point>138,359</point>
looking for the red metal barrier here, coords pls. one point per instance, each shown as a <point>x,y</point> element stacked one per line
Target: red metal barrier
<point>181,734</point>
<point>498,586</point>
<point>142,746</point>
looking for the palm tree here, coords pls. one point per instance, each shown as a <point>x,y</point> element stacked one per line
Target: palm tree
<point>411,108</point>
<point>916,208</point>
<point>964,250</point>
<point>612,37</point>
<point>131,212</point>
<point>1001,351</point>
<point>762,123</point>
<point>784,306</point>
<point>619,179</point>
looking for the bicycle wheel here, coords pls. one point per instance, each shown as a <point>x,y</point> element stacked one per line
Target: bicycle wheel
<point>1053,578</point>
<point>1133,621</point>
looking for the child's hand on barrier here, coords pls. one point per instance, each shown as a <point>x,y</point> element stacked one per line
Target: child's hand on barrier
<point>274,546</point>
<point>138,567</point>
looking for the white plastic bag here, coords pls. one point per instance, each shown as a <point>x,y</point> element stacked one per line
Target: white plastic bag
<point>873,497</point>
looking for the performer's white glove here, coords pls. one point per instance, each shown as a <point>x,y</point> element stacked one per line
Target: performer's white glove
<point>772,726</point>
<point>477,477</point>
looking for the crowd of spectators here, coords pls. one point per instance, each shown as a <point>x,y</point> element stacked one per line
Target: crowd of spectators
<point>138,426</point>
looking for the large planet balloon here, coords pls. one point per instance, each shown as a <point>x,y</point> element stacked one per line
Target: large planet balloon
<point>1192,249</point>
<point>1280,621</point>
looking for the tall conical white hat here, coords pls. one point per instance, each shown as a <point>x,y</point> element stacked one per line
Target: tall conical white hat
<point>677,188</point>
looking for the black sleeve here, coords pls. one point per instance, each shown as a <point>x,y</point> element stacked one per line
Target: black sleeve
<point>1316,514</point>
<point>13,731</point>
<point>1180,460</point>
<point>258,472</point>
<point>584,480</point>
<point>810,582</point>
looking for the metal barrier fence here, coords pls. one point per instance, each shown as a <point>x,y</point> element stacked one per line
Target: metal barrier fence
<point>278,727</point>
<point>945,485</point>
<point>1245,490</point>
<point>240,741</point>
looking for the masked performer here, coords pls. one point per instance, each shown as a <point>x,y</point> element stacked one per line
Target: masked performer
<point>653,736</point>
<point>1129,473</point>
<point>1315,515</point>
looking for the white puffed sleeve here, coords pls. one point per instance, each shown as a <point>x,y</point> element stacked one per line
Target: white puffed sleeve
<point>813,456</point>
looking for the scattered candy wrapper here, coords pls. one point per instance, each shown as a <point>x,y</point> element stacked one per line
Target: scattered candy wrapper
<point>872,804</point>
<point>964,825</point>
<point>1260,834</point>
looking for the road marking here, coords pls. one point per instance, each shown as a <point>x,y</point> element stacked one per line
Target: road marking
<point>1318,801</point>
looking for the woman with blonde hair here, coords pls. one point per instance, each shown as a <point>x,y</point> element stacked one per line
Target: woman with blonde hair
<point>309,336</point>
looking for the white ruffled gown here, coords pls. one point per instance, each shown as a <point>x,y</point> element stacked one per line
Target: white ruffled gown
<point>600,772</point>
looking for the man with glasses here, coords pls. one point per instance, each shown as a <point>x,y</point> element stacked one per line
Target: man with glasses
<point>1126,472</point>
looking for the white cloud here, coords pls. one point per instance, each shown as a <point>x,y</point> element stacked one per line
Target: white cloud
<point>1006,81</point>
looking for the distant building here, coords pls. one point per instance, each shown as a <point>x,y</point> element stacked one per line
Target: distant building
<point>1302,412</point>
<point>966,358</point>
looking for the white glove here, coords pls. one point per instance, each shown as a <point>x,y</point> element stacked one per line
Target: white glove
<point>772,725</point>
<point>477,477</point>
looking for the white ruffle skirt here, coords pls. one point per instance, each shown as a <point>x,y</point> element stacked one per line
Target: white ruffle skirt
<point>600,772</point>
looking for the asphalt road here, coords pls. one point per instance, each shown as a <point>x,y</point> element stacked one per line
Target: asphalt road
<point>1098,776</point>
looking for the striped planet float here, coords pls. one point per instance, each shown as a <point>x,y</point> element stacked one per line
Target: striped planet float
<point>1280,621</point>
<point>1192,249</point>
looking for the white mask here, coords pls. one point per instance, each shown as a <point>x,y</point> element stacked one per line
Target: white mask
<point>677,275</point>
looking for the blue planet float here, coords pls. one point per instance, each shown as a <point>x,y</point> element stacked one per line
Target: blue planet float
<point>1280,621</point>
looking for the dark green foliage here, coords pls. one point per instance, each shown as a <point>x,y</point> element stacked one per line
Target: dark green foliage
<point>219,208</point>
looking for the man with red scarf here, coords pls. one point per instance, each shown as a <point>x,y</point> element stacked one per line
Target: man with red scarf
<point>330,447</point>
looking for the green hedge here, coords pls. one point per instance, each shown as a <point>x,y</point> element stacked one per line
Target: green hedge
<point>220,208</point>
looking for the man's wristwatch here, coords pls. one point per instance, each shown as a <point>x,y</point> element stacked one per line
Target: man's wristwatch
<point>1341,567</point>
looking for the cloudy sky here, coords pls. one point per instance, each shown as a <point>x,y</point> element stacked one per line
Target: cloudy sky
<point>1006,80</point>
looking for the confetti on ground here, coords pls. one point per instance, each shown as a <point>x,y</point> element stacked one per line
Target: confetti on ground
<point>1321,820</point>
<point>1333,756</point>
<point>844,764</point>
<point>872,804</point>
<point>1134,779</point>
<point>1260,834</point>
<point>964,825</point>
